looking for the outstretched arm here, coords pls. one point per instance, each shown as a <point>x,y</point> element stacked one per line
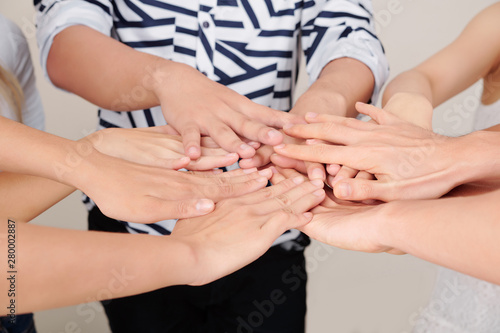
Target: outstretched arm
<point>460,233</point>
<point>408,161</point>
<point>112,75</point>
<point>52,261</point>
<point>413,94</point>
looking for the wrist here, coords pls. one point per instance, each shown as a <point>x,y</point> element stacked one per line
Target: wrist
<point>321,101</point>
<point>478,157</point>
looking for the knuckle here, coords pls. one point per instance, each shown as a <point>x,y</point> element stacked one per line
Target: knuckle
<point>283,200</point>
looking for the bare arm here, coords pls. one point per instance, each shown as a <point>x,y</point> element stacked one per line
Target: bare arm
<point>52,261</point>
<point>456,67</point>
<point>113,75</point>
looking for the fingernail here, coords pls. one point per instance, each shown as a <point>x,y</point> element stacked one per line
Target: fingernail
<point>287,126</point>
<point>308,215</point>
<point>317,182</point>
<point>265,173</point>
<point>217,171</point>
<point>311,115</point>
<point>311,141</point>
<point>281,146</point>
<point>262,179</point>
<point>345,189</point>
<point>192,151</point>
<point>298,180</point>
<point>244,146</point>
<point>317,174</point>
<point>272,134</point>
<point>254,144</point>
<point>232,155</point>
<point>319,193</point>
<point>251,170</point>
<point>204,205</point>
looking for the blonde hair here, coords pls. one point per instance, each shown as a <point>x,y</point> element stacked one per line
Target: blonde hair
<point>11,91</point>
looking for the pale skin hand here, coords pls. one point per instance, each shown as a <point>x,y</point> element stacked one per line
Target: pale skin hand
<point>193,104</point>
<point>157,146</point>
<point>251,223</point>
<point>200,250</point>
<point>408,161</point>
<point>340,84</point>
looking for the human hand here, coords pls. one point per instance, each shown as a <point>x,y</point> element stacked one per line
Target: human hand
<point>159,147</point>
<point>335,222</point>
<point>143,194</point>
<point>408,161</point>
<point>240,230</point>
<point>195,105</point>
<point>265,154</point>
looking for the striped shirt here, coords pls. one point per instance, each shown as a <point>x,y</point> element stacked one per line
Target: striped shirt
<point>252,47</point>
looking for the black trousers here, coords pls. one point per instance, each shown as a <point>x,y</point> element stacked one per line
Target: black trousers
<point>268,295</point>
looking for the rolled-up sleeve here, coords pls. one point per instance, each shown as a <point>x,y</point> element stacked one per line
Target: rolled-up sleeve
<point>53,16</point>
<point>338,29</point>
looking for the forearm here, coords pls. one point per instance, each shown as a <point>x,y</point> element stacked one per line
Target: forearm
<point>340,85</point>
<point>25,197</point>
<point>33,152</point>
<point>409,96</point>
<point>106,72</point>
<point>59,267</point>
<point>458,233</point>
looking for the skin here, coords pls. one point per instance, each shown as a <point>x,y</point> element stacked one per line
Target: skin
<point>417,227</point>
<point>207,108</point>
<point>341,83</point>
<point>200,250</point>
<point>413,94</point>
<point>417,165</point>
<point>79,165</point>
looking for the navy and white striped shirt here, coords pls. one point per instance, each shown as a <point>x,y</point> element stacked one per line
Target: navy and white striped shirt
<point>252,47</point>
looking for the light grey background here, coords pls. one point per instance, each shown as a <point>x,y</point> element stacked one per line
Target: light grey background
<point>348,292</point>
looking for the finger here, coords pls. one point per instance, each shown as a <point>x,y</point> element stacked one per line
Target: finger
<point>292,173</point>
<point>340,121</point>
<point>289,163</point>
<point>289,201</point>
<point>211,162</point>
<point>344,173</point>
<point>365,175</point>
<point>333,169</point>
<point>328,131</point>
<point>159,209</point>
<point>380,116</point>
<point>316,171</point>
<point>262,157</point>
<point>271,192</point>
<point>361,189</point>
<point>277,178</point>
<point>191,139</point>
<point>208,142</point>
<point>354,157</point>
<point>271,117</point>
<point>230,141</point>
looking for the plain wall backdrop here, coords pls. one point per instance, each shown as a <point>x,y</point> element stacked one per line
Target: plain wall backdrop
<point>348,292</point>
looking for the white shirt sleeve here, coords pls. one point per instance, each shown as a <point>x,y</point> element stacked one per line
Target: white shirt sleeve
<point>342,28</point>
<point>53,16</point>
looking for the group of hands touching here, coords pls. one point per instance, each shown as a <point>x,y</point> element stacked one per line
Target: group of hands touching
<point>330,177</point>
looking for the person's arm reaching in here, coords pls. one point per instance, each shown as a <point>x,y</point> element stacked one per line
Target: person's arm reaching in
<point>413,94</point>
<point>199,250</point>
<point>345,63</point>
<point>408,161</point>
<point>122,189</point>
<point>111,74</point>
